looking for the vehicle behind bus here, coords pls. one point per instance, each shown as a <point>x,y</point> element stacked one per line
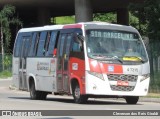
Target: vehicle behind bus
<point>92,59</point>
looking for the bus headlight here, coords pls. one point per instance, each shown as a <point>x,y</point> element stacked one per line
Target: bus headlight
<point>96,74</point>
<point>145,76</point>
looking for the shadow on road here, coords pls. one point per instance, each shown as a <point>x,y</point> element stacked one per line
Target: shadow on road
<point>89,102</point>
<point>23,98</point>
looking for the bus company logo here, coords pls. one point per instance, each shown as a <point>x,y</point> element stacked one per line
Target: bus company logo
<point>111,68</point>
<point>74,66</point>
<point>42,66</point>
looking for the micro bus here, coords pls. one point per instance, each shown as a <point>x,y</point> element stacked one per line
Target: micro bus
<point>86,60</point>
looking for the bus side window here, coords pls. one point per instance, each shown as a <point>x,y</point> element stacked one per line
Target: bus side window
<point>18,45</point>
<point>36,44</point>
<point>33,41</point>
<point>41,44</point>
<point>26,48</point>
<point>52,43</point>
<point>47,42</point>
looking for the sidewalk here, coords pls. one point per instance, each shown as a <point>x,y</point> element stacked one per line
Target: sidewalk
<point>3,79</point>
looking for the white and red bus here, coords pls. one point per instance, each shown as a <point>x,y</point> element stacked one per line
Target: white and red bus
<point>92,59</point>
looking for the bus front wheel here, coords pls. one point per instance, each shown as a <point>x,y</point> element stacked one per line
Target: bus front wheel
<point>78,98</point>
<point>132,99</point>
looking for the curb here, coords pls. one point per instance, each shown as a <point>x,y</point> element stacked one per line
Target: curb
<point>144,99</point>
<point>12,87</point>
<point>6,79</point>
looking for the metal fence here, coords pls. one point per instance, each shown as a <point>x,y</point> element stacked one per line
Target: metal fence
<point>153,49</point>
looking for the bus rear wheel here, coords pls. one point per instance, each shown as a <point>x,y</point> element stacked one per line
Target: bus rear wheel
<point>36,95</point>
<point>132,99</point>
<point>78,98</point>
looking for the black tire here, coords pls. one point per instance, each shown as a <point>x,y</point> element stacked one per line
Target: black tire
<point>36,95</point>
<point>42,95</point>
<point>33,93</point>
<point>132,99</point>
<point>78,98</point>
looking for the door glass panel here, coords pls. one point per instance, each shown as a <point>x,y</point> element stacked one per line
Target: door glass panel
<point>67,51</point>
<point>60,57</point>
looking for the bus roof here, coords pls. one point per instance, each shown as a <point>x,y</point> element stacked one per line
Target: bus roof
<point>87,25</point>
<point>49,27</point>
<point>110,26</point>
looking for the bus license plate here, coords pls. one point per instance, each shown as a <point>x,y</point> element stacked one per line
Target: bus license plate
<point>122,83</point>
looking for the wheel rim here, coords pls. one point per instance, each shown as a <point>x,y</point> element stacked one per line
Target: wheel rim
<point>32,91</point>
<point>77,92</point>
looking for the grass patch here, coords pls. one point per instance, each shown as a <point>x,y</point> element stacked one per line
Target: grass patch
<point>65,20</point>
<point>153,95</point>
<point>5,74</point>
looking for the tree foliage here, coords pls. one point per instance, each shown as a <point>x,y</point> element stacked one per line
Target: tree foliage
<point>107,17</point>
<point>149,16</point>
<point>112,18</point>
<point>7,18</point>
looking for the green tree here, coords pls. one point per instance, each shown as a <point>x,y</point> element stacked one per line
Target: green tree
<point>138,11</point>
<point>112,18</point>
<point>149,17</point>
<point>152,9</point>
<point>106,17</point>
<point>6,19</point>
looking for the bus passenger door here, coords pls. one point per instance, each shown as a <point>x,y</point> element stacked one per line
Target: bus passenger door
<point>60,62</point>
<point>66,62</point>
<point>22,63</point>
<point>63,58</point>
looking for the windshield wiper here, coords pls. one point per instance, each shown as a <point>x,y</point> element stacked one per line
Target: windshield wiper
<point>98,55</point>
<point>103,57</point>
<point>116,58</point>
<point>112,58</point>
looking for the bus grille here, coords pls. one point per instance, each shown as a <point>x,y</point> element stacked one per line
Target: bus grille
<point>122,88</point>
<point>122,77</point>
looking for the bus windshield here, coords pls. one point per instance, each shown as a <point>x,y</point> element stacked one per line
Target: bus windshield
<point>115,45</point>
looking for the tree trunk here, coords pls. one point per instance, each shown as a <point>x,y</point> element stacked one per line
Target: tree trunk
<point>2,48</point>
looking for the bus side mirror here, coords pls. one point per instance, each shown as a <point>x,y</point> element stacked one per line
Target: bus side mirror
<point>79,39</point>
<point>55,52</point>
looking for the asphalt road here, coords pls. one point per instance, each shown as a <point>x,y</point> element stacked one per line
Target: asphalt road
<point>20,100</point>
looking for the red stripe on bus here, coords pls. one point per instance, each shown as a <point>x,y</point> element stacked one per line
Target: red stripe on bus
<point>77,71</point>
<point>112,68</point>
<point>94,66</point>
<point>72,26</point>
<point>105,68</point>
